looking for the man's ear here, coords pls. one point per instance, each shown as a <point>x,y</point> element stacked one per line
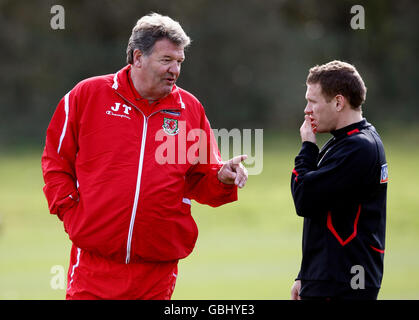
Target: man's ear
<point>340,102</point>
<point>137,58</point>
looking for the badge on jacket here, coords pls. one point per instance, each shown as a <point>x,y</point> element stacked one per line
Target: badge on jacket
<point>170,126</point>
<point>384,173</point>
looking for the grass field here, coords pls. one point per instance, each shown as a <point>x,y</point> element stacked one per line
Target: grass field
<point>250,249</point>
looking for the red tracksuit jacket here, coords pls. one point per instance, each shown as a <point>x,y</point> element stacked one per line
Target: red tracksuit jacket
<point>103,171</point>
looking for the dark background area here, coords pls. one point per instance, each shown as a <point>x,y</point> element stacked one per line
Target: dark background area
<point>247,63</point>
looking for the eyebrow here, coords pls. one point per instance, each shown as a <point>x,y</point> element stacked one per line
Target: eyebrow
<point>170,57</point>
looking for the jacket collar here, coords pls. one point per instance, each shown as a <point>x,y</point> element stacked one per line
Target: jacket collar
<point>122,84</point>
<point>351,129</point>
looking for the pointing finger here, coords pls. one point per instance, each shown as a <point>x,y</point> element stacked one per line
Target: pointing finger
<point>237,159</point>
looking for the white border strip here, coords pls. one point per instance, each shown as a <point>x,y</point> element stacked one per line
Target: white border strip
<point>182,105</point>
<point>115,81</point>
<point>186,200</point>
<point>74,268</point>
<point>65,122</point>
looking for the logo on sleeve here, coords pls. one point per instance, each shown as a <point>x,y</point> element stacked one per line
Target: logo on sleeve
<point>170,126</point>
<point>384,173</point>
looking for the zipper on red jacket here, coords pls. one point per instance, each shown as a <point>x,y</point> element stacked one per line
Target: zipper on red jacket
<point>140,170</point>
<point>137,190</point>
<point>138,185</point>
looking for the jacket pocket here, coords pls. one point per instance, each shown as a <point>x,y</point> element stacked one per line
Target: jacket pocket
<point>68,219</point>
<point>334,232</point>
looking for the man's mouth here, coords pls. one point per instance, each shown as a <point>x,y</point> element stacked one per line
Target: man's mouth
<point>313,124</point>
<point>170,80</point>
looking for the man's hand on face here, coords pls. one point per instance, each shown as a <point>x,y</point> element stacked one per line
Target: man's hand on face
<point>307,132</point>
<point>233,172</point>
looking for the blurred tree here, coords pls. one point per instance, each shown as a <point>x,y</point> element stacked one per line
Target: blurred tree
<point>247,63</point>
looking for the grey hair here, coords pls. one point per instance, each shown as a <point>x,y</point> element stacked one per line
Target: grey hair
<point>151,28</point>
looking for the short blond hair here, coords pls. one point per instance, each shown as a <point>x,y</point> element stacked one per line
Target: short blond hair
<point>338,77</point>
<point>152,28</point>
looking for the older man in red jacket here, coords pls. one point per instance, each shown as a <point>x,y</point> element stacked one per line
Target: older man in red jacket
<point>125,153</point>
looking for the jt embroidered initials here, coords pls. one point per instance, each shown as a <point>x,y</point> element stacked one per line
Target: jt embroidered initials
<point>116,108</point>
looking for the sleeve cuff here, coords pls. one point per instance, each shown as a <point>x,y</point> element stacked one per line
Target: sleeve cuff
<point>65,204</point>
<point>309,148</point>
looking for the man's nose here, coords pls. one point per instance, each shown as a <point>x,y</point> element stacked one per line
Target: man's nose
<point>308,109</point>
<point>174,68</point>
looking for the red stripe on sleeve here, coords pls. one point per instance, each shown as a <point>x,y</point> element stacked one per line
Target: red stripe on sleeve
<point>296,174</point>
<point>376,249</point>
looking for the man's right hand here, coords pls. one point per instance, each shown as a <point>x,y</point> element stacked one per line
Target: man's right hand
<point>233,172</point>
<point>306,130</point>
<point>295,290</point>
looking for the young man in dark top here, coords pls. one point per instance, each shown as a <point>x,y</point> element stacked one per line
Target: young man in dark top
<point>340,190</point>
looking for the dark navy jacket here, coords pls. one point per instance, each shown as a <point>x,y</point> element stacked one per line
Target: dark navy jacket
<point>341,192</point>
